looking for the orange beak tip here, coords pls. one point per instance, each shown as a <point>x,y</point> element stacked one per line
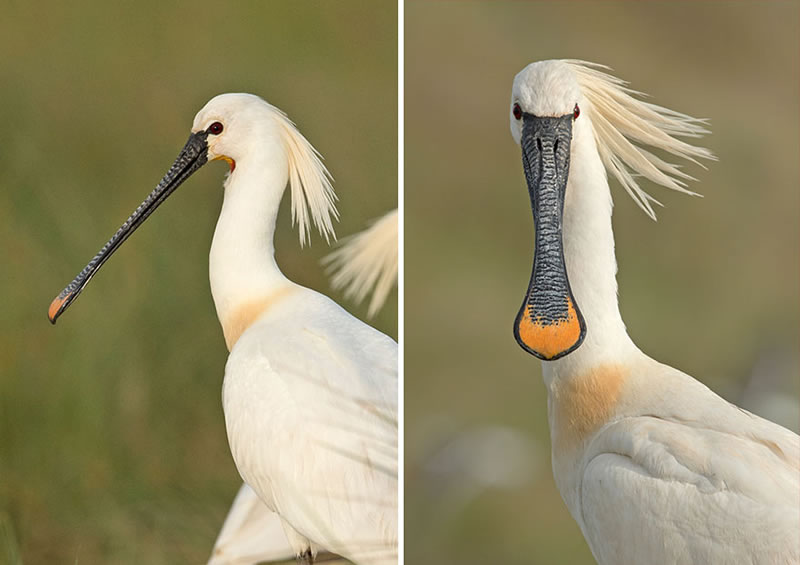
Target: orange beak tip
<point>55,307</point>
<point>549,341</point>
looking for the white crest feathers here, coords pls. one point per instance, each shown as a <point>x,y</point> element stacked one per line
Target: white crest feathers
<point>313,197</point>
<point>623,124</point>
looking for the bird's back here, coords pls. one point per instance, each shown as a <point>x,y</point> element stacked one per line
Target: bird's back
<point>310,399</point>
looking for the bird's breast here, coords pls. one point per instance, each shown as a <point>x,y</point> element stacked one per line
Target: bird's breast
<point>244,313</point>
<point>581,404</point>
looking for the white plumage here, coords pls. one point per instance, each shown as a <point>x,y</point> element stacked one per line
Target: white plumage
<point>252,532</point>
<point>653,466</point>
<point>310,392</point>
<point>325,456</point>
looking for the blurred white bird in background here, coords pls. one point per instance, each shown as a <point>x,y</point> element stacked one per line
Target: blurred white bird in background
<point>310,392</point>
<point>653,466</point>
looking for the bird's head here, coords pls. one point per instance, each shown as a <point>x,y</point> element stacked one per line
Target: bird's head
<point>546,89</point>
<point>232,127</point>
<point>564,111</point>
<point>544,106</point>
<point>235,124</point>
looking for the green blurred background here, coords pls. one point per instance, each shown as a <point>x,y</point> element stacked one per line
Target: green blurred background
<point>112,440</point>
<point>711,288</point>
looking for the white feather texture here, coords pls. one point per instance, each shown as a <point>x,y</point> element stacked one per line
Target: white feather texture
<point>253,533</point>
<point>367,261</point>
<point>623,124</point>
<point>313,198</point>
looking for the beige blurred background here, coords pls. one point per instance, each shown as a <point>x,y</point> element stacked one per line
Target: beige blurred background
<point>711,288</point>
<point>112,440</point>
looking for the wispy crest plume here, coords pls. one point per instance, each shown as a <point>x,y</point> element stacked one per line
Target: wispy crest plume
<point>623,124</point>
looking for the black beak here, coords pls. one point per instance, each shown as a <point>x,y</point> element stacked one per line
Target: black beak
<point>193,156</point>
<point>549,324</point>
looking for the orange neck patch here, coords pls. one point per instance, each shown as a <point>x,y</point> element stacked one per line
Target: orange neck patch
<point>583,403</point>
<point>246,313</point>
<point>553,338</point>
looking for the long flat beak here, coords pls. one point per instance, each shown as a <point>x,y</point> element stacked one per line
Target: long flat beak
<point>193,156</point>
<point>549,324</point>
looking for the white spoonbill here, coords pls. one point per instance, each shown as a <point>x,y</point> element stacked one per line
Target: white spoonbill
<point>653,466</point>
<point>310,392</point>
<point>252,532</point>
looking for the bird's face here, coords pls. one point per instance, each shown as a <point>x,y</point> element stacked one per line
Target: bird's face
<point>544,109</point>
<point>228,122</point>
<point>547,89</point>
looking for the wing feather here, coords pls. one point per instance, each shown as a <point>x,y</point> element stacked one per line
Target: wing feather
<point>689,494</point>
<point>311,410</point>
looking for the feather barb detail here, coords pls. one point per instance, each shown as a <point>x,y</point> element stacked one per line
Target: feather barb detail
<point>624,125</point>
<point>313,197</point>
<point>367,260</point>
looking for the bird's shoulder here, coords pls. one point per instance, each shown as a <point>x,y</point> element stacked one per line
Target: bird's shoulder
<point>673,409</point>
<point>308,333</point>
<point>680,467</point>
<point>310,399</point>
<point>662,502</point>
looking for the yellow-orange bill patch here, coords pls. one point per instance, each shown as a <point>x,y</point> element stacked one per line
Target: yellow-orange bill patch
<point>552,339</point>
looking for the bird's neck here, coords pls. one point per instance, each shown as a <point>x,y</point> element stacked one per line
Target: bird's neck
<point>585,388</point>
<point>242,269</point>
<point>591,264</point>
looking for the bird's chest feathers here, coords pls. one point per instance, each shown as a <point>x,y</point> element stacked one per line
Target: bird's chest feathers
<point>243,314</point>
<point>582,404</point>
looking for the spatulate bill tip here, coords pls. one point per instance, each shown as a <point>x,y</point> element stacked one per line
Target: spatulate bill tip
<point>549,339</point>
<point>57,306</point>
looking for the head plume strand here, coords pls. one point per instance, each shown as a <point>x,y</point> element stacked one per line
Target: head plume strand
<point>623,124</point>
<point>313,197</point>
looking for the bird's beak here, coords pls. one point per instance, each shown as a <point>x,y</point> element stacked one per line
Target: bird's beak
<point>549,324</point>
<point>193,156</point>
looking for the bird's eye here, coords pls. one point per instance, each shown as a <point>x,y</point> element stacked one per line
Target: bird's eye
<point>517,112</point>
<point>576,112</point>
<point>215,128</point>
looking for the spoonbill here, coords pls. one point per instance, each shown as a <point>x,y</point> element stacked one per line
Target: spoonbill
<point>252,533</point>
<point>653,466</point>
<point>310,392</point>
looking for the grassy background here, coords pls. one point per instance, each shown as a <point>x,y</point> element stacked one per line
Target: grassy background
<point>112,441</point>
<point>711,288</point>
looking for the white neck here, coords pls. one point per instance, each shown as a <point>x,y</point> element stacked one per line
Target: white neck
<point>242,263</point>
<point>591,264</point>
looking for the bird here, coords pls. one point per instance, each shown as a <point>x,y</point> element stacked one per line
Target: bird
<point>652,465</point>
<point>309,392</point>
<point>252,532</point>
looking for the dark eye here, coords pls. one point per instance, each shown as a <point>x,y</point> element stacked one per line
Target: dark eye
<point>215,128</point>
<point>576,112</point>
<point>517,112</point>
